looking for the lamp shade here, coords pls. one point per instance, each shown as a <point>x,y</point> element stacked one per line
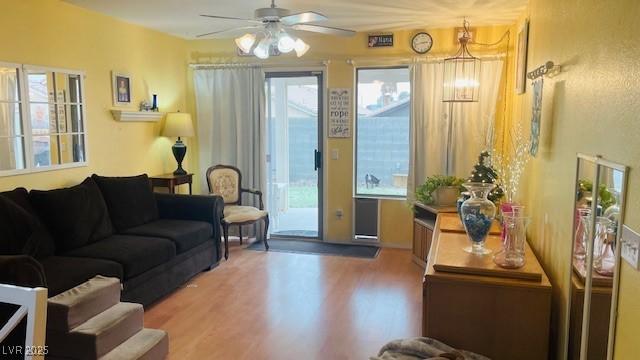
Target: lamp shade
<point>178,125</point>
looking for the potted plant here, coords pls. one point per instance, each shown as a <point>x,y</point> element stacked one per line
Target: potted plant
<point>439,190</point>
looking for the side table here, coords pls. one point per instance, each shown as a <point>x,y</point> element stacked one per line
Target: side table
<point>170,181</point>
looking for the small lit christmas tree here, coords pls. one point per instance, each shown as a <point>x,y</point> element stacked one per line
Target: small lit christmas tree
<point>484,173</point>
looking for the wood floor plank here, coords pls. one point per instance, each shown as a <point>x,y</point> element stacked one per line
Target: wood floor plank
<point>270,305</point>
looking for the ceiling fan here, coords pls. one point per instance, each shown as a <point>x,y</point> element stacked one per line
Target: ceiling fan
<point>272,25</point>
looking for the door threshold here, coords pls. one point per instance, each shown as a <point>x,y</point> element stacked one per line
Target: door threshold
<point>296,234</point>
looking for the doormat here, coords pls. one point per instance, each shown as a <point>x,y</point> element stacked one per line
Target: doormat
<point>318,248</point>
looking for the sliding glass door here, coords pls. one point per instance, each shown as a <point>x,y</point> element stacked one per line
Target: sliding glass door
<point>294,153</point>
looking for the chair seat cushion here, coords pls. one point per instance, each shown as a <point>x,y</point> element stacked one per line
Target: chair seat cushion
<point>65,272</point>
<point>234,214</point>
<point>136,254</point>
<point>185,234</point>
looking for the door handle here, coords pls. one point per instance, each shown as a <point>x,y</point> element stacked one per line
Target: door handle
<point>317,159</point>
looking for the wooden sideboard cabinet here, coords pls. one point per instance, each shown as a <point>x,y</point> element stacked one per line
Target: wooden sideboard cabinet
<point>424,222</point>
<point>502,316</point>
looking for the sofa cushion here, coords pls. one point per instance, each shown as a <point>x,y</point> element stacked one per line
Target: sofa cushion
<point>16,227</point>
<point>20,196</point>
<point>76,216</point>
<point>40,237</point>
<point>65,272</point>
<point>136,254</point>
<point>130,200</point>
<point>20,232</point>
<point>184,233</point>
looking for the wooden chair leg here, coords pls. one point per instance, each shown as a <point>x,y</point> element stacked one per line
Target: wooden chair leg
<point>225,230</point>
<point>266,232</point>
<point>240,233</point>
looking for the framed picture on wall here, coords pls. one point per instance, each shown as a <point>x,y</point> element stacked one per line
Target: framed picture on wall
<point>121,87</point>
<point>521,59</point>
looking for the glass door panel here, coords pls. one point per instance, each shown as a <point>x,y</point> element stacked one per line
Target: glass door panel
<point>294,154</point>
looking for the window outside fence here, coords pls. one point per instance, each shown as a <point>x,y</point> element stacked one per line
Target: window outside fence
<point>383,100</point>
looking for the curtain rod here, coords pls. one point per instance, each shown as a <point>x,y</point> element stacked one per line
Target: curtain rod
<point>415,59</point>
<point>352,61</point>
<point>213,65</point>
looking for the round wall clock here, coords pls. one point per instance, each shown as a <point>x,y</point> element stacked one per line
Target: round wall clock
<point>421,42</point>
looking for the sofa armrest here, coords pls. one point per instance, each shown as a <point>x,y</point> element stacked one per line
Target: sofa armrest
<point>190,207</point>
<point>21,270</point>
<point>196,208</point>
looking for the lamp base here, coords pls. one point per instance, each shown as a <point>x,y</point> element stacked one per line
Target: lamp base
<point>180,171</point>
<point>179,150</point>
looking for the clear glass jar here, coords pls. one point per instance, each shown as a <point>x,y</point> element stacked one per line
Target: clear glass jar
<point>582,220</point>
<point>478,213</point>
<point>511,256</point>
<point>604,260</point>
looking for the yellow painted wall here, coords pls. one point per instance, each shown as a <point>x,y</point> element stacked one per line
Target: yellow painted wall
<point>591,107</point>
<point>54,33</point>
<point>396,220</point>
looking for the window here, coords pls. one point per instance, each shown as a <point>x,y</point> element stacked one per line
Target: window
<point>383,100</point>
<point>41,119</point>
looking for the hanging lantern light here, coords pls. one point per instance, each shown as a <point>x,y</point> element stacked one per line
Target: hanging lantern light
<point>462,73</point>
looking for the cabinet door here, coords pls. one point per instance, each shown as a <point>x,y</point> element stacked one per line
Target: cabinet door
<point>418,235</point>
<point>426,243</point>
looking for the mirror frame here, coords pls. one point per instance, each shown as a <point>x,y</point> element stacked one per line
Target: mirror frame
<point>599,164</point>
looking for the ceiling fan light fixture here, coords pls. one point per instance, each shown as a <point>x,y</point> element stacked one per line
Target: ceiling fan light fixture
<point>262,50</point>
<point>285,42</point>
<point>301,47</point>
<point>245,42</point>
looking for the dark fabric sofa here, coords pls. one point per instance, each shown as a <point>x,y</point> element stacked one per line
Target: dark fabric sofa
<point>112,227</point>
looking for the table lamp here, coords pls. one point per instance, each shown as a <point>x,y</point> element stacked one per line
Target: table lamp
<point>178,125</point>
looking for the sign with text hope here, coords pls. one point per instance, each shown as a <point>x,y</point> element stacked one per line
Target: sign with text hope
<point>339,113</point>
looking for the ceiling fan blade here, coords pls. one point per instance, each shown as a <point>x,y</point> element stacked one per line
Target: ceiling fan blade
<point>324,29</point>
<point>231,18</point>
<point>227,30</point>
<point>301,18</point>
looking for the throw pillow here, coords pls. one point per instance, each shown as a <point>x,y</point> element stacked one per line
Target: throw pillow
<point>17,227</point>
<point>42,240</point>
<point>76,216</point>
<point>130,200</point>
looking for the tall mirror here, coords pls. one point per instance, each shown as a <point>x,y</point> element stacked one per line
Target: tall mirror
<point>595,257</point>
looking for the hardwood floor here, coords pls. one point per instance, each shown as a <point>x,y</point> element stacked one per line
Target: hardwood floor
<point>274,305</point>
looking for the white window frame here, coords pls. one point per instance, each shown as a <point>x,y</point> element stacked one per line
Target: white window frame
<point>355,131</point>
<point>26,120</point>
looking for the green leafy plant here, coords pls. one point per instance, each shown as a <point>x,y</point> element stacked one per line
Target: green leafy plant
<point>605,196</point>
<point>424,192</point>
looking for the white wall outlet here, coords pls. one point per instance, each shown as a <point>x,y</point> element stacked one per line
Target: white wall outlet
<point>335,154</point>
<point>339,213</point>
<point>631,247</point>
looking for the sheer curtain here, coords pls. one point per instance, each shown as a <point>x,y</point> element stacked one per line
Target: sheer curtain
<point>230,105</point>
<point>11,150</point>
<point>446,138</point>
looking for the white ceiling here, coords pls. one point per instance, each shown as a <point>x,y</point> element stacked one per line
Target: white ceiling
<point>180,17</point>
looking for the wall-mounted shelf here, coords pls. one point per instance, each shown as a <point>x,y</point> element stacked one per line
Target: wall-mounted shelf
<point>136,116</point>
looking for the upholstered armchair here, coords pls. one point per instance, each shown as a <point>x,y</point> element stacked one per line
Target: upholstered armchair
<point>226,181</point>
